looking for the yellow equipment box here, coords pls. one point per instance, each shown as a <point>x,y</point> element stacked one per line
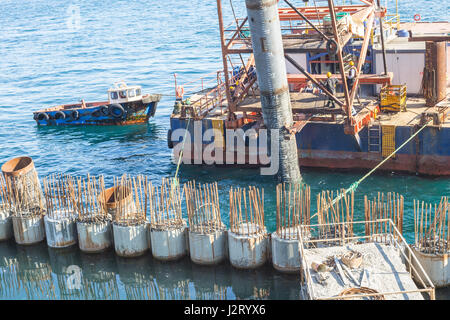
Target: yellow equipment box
<point>393,98</point>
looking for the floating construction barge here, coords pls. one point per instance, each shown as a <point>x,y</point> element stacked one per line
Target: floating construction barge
<point>400,86</point>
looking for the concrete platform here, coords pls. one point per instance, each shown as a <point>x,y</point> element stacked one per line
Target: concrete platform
<point>387,272</point>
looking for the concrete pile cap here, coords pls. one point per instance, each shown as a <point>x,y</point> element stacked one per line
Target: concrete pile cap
<point>206,228</point>
<point>94,218</point>
<point>171,224</point>
<point>288,234</point>
<point>249,230</point>
<point>28,213</point>
<point>61,215</point>
<point>4,210</point>
<point>129,222</point>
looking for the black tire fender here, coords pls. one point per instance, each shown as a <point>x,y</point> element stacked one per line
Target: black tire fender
<point>332,46</point>
<point>75,115</point>
<point>169,139</point>
<point>97,113</point>
<point>104,110</point>
<point>59,115</point>
<point>42,116</point>
<point>116,110</point>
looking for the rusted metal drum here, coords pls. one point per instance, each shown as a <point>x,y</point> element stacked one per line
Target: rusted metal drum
<point>23,182</point>
<point>441,70</point>
<point>117,199</point>
<point>435,72</point>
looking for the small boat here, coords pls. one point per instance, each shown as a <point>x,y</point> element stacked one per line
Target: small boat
<point>125,105</point>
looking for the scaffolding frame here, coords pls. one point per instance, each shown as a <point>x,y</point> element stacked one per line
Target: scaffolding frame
<point>234,43</point>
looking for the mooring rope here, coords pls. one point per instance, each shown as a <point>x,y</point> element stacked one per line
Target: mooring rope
<point>356,184</point>
<point>175,178</point>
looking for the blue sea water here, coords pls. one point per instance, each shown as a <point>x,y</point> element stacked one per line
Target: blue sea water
<point>57,52</point>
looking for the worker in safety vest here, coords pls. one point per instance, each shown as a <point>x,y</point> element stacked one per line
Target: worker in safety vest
<point>351,76</point>
<point>330,85</point>
<point>351,79</point>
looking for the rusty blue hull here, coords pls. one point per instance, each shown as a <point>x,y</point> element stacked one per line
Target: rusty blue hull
<point>97,113</point>
<point>325,145</point>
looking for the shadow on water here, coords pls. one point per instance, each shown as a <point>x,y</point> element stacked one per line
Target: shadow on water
<point>99,134</point>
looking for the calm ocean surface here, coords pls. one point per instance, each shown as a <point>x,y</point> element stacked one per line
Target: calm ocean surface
<point>57,52</point>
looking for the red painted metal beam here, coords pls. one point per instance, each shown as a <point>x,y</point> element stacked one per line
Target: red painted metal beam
<point>363,79</point>
<point>315,13</point>
<point>362,56</point>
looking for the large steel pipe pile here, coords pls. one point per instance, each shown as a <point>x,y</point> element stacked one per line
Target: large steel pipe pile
<point>273,85</point>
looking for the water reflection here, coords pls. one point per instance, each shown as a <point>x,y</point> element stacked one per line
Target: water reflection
<point>64,262</point>
<point>39,272</point>
<point>99,280</point>
<point>34,272</point>
<point>98,134</point>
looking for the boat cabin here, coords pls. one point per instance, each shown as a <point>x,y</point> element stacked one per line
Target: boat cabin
<point>121,93</point>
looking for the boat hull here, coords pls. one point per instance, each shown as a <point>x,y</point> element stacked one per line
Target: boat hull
<point>97,113</point>
<point>325,145</point>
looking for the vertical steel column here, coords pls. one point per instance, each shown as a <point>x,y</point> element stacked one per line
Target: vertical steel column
<point>231,106</point>
<point>382,39</point>
<point>341,61</point>
<point>441,70</point>
<point>271,74</point>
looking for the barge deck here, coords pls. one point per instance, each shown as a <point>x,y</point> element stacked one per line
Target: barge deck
<point>358,133</point>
